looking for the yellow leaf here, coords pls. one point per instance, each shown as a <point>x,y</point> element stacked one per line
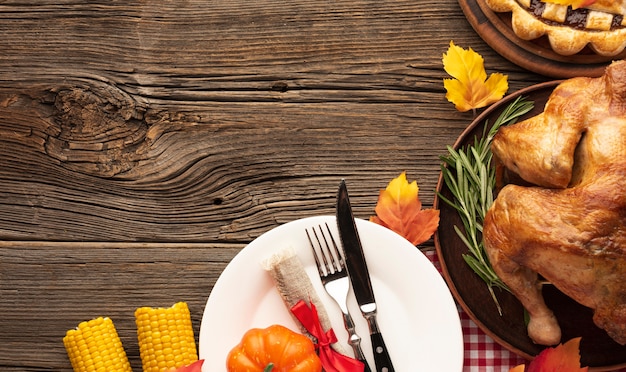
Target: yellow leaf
<point>471,89</point>
<point>400,210</point>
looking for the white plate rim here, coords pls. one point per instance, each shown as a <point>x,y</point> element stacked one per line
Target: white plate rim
<point>432,311</point>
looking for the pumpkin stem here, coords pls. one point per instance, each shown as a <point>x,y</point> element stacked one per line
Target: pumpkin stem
<point>269,367</point>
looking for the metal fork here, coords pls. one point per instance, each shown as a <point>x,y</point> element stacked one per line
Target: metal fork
<point>334,276</point>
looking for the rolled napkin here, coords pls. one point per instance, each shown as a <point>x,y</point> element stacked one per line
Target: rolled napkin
<point>294,285</point>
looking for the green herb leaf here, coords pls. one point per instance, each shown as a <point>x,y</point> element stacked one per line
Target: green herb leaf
<point>471,178</point>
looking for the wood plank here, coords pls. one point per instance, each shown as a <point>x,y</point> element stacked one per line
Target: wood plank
<point>47,288</point>
<point>196,37</point>
<point>175,177</point>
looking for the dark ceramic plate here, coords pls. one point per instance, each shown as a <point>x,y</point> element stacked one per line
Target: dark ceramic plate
<point>534,55</point>
<point>598,350</point>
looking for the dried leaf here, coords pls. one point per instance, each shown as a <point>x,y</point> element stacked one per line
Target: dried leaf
<point>562,358</point>
<point>400,210</point>
<point>193,367</point>
<point>471,89</point>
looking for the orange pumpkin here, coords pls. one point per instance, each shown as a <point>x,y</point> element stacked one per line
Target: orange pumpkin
<point>276,349</point>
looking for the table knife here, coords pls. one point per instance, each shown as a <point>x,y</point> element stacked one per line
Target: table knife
<point>359,277</point>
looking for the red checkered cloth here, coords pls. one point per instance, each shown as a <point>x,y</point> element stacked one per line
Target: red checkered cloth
<point>482,353</point>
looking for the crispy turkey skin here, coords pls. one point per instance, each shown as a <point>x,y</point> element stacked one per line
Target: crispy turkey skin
<point>570,226</point>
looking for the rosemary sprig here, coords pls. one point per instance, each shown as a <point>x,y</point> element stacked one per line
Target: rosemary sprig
<point>471,178</point>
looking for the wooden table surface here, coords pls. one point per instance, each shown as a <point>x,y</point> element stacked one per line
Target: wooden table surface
<point>144,144</point>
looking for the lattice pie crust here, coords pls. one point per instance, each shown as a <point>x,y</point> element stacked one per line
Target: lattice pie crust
<point>602,25</point>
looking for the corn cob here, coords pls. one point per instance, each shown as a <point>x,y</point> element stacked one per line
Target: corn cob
<point>94,346</point>
<point>166,338</point>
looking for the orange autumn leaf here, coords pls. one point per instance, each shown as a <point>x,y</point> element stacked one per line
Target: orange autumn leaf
<point>471,89</point>
<point>562,358</point>
<point>400,210</point>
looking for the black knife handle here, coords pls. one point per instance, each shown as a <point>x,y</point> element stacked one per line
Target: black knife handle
<point>381,354</point>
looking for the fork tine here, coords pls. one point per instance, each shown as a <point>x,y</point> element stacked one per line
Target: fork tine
<point>324,250</point>
<point>332,271</point>
<point>339,264</point>
<point>326,253</point>
<point>320,269</point>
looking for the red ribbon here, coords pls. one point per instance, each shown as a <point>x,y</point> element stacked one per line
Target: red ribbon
<point>332,361</point>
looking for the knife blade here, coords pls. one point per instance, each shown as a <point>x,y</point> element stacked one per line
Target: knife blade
<point>359,277</point>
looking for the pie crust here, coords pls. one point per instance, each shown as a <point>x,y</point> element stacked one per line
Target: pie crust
<point>602,26</point>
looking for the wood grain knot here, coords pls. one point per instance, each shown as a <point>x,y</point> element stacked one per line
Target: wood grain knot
<point>280,86</point>
<point>100,130</point>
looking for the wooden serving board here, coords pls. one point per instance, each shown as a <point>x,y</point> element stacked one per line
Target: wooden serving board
<point>597,350</point>
<point>535,55</point>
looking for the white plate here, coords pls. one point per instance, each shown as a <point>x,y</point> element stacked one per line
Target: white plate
<point>416,312</point>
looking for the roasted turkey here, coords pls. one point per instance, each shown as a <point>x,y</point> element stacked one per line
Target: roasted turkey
<point>567,222</point>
